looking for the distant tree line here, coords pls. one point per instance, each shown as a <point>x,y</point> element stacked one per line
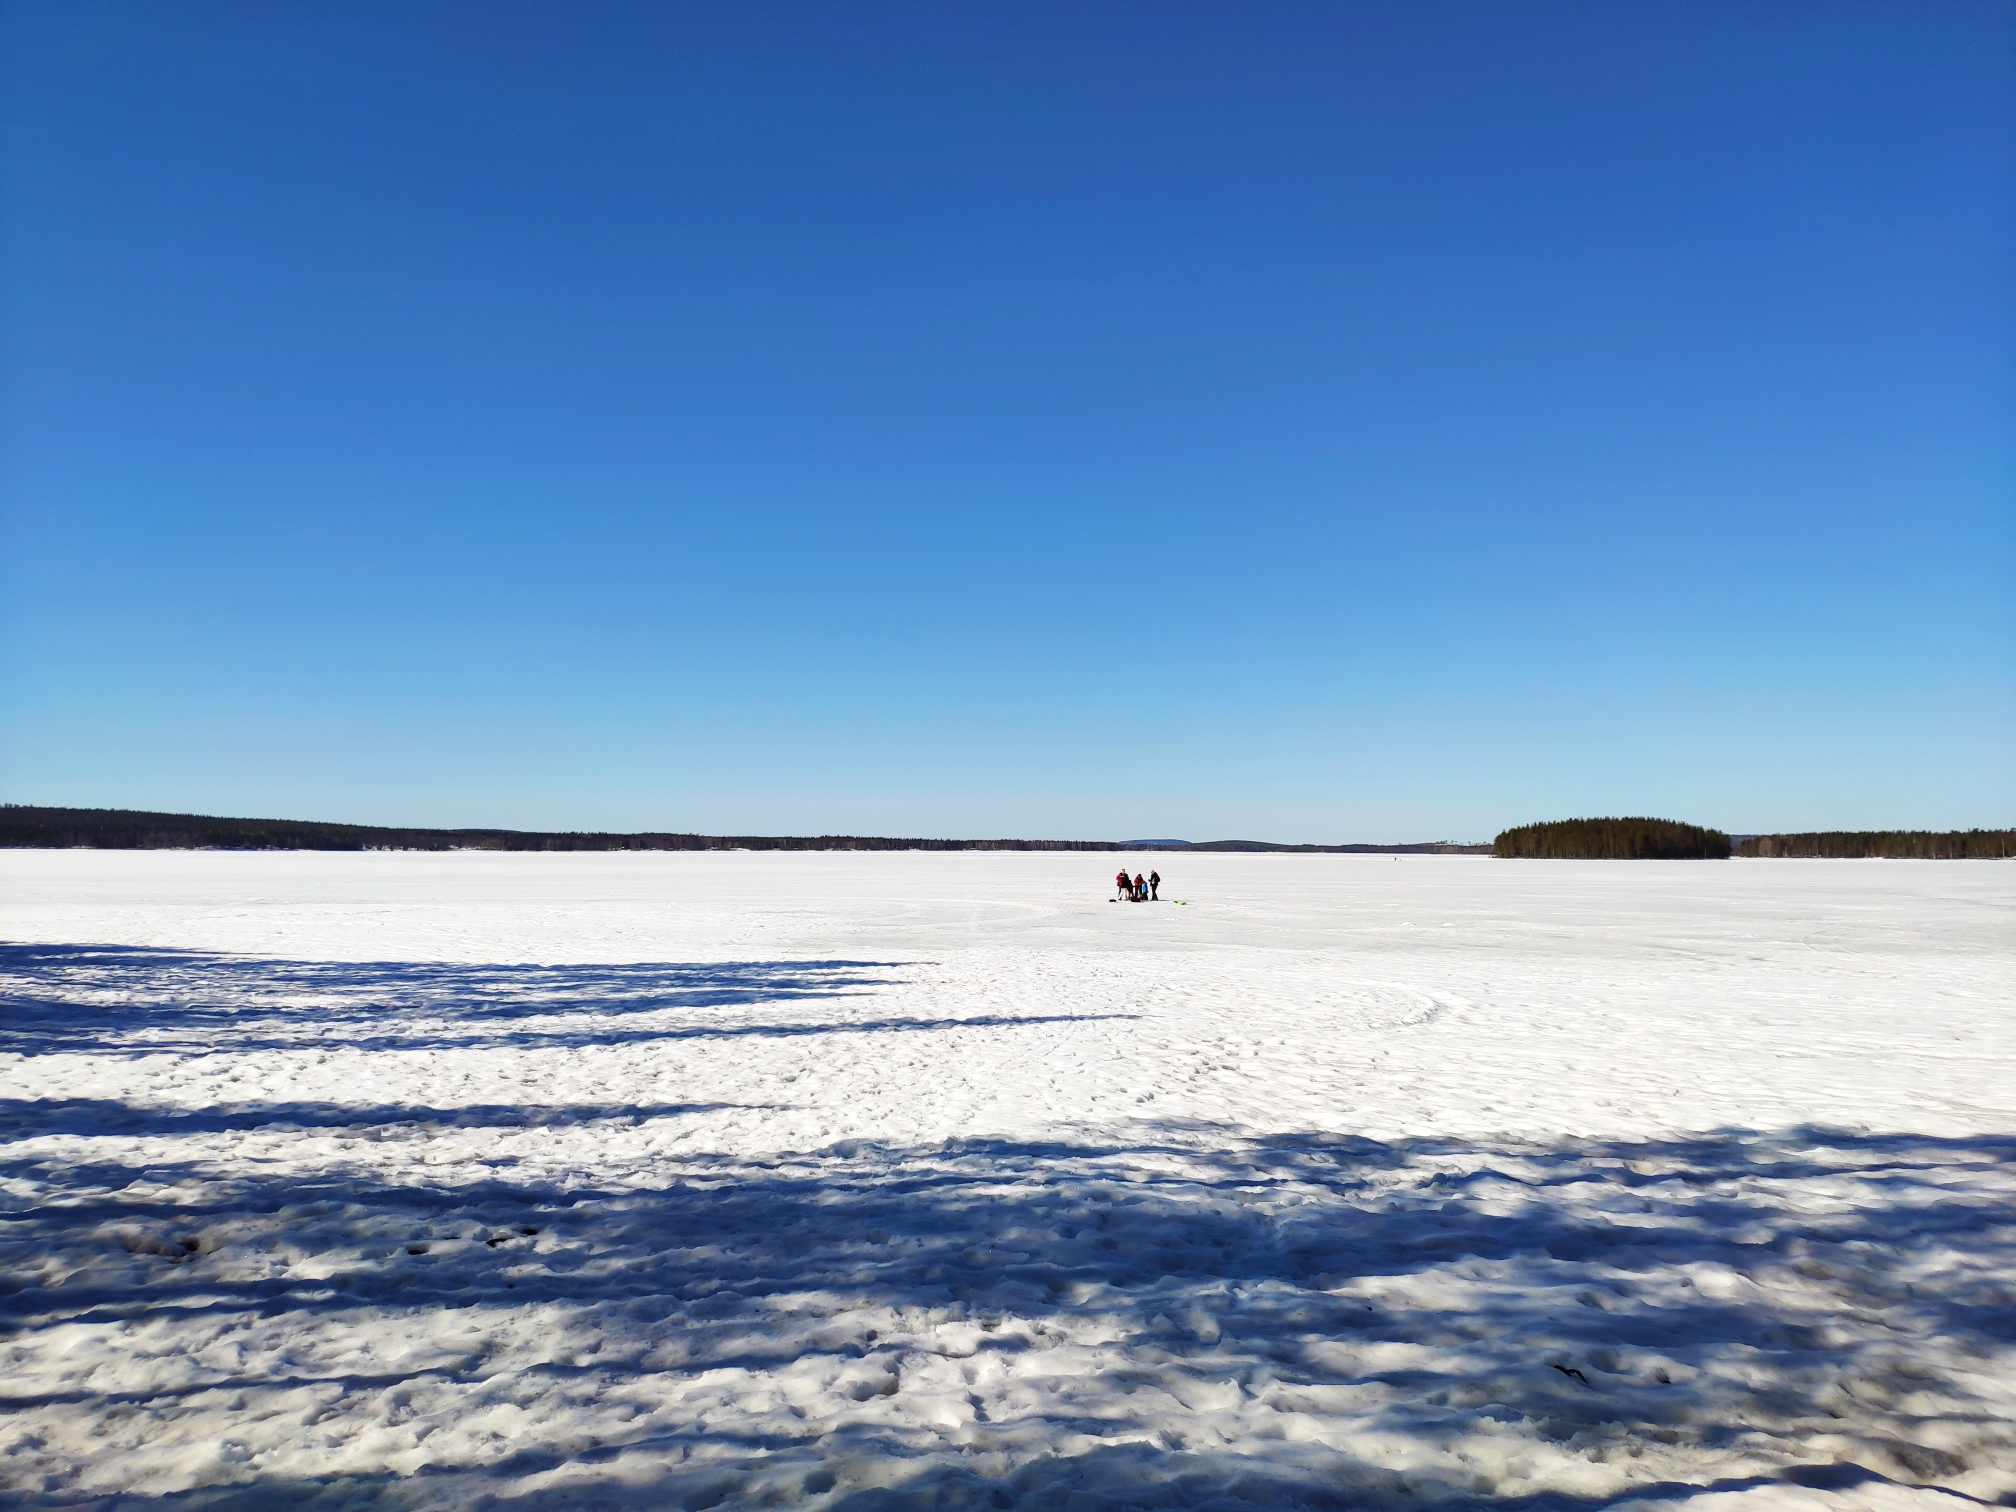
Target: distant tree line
<point>1612,840</point>
<point>1920,845</point>
<point>123,829</point>
<point>24,825</point>
<point>1434,848</point>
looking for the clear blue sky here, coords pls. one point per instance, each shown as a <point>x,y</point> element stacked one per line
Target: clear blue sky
<point>1300,421</point>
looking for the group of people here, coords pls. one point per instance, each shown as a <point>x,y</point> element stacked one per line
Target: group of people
<point>1136,889</point>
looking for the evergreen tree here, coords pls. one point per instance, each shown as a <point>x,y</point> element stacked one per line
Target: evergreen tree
<point>1612,840</point>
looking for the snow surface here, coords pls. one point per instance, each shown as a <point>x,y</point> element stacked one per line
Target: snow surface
<point>907,1180</point>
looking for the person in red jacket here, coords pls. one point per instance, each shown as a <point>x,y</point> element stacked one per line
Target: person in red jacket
<point>1122,883</point>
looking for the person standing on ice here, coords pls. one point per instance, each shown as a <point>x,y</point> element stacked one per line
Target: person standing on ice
<point>1140,888</point>
<point>1154,883</point>
<point>1121,882</point>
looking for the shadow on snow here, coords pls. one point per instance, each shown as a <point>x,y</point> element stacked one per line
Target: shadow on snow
<point>1267,1264</point>
<point>128,1000</point>
<point>1588,1295</point>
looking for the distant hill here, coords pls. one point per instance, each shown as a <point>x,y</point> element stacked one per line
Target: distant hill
<point>1922,845</point>
<point>1612,840</point>
<point>25,825</point>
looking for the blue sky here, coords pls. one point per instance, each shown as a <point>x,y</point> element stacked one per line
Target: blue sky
<point>1301,422</point>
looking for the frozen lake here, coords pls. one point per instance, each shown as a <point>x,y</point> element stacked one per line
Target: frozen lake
<point>885,1180</point>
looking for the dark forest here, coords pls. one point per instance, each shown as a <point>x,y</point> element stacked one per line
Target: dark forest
<point>1917,845</point>
<point>1612,840</point>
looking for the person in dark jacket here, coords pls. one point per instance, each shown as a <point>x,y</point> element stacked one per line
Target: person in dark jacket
<point>1154,882</point>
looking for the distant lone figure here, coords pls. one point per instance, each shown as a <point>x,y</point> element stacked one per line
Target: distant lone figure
<point>1154,881</point>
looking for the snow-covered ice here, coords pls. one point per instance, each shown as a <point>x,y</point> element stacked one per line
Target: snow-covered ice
<point>937,1180</point>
